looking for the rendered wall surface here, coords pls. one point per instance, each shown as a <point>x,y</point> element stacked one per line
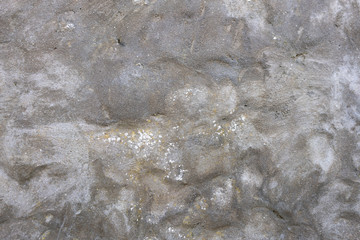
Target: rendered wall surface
<point>179,119</point>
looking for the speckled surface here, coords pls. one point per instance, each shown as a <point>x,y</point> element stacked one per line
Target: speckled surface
<point>192,119</point>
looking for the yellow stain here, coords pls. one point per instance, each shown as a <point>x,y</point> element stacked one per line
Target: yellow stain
<point>220,233</point>
<point>38,204</point>
<point>186,220</point>
<point>189,235</point>
<point>45,235</point>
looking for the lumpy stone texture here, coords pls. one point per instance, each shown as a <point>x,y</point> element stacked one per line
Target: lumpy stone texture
<point>179,119</point>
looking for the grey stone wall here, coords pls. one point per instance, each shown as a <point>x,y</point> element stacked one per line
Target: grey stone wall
<point>179,119</point>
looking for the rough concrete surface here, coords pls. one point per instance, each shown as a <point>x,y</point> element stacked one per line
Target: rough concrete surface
<point>179,119</point>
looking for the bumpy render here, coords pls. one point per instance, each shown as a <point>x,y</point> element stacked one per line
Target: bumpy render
<point>179,119</point>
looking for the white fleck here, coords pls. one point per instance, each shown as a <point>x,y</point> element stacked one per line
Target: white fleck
<point>222,195</point>
<point>273,184</point>
<point>321,153</point>
<point>251,178</point>
<point>69,26</point>
<point>48,218</point>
